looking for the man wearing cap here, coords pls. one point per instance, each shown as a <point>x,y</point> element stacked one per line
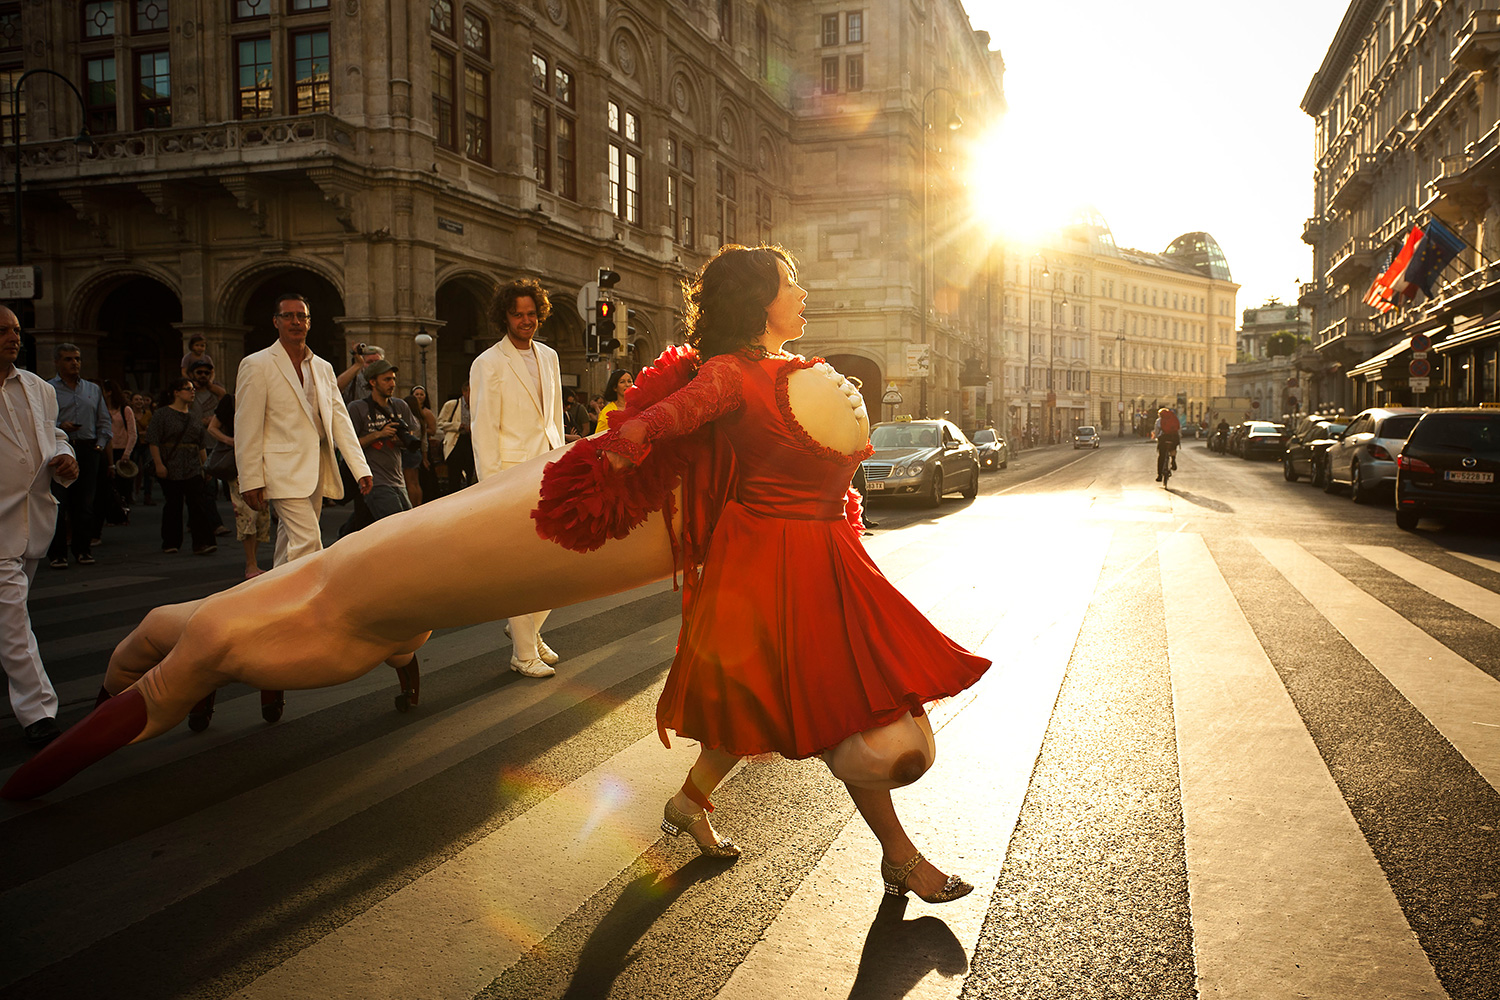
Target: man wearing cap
<point>34,453</point>
<point>206,392</point>
<point>386,427</point>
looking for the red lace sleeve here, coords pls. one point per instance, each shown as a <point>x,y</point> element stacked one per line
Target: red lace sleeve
<point>717,389</point>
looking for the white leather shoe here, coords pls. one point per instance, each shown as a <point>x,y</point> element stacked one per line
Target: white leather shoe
<point>546,652</point>
<point>531,668</point>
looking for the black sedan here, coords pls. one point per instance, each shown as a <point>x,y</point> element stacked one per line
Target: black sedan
<point>994,451</point>
<point>923,458</point>
<point>1449,464</point>
<point>1307,449</point>
<point>1263,440</point>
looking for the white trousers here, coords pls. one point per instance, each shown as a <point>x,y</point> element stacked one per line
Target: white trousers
<point>525,629</point>
<point>32,696</point>
<point>299,533</point>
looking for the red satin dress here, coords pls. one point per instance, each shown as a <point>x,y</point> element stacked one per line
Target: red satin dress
<point>793,639</point>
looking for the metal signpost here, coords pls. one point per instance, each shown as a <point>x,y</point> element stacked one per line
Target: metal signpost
<point>1420,368</point>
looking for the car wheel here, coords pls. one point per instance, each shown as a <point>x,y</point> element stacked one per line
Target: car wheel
<point>972,490</point>
<point>1358,491</point>
<point>934,489</point>
<point>1330,485</point>
<point>1319,474</point>
<point>1406,519</point>
<point>1288,471</point>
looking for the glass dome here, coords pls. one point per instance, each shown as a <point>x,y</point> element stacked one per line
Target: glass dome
<point>1089,225</point>
<point>1200,252</point>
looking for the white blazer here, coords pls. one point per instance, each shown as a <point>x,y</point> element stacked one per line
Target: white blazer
<point>450,423</point>
<point>276,439</point>
<point>507,422</point>
<point>28,510</point>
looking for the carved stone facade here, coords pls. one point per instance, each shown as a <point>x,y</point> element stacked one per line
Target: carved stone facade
<point>1406,106</point>
<point>397,169</point>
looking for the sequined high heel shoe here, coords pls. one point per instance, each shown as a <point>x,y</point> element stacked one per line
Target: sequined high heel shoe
<point>896,875</point>
<point>676,822</point>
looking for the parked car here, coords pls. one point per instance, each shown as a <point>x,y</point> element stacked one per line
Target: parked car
<point>925,458</point>
<point>1263,439</point>
<point>1235,445</point>
<point>994,450</point>
<point>1191,430</point>
<point>1086,437</point>
<point>1307,449</point>
<point>1449,465</point>
<point>1364,456</point>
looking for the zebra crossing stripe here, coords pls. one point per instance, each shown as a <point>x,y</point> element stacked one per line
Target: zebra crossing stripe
<point>1461,701</point>
<point>961,813</point>
<point>1493,565</point>
<point>1482,604</point>
<point>1287,898</point>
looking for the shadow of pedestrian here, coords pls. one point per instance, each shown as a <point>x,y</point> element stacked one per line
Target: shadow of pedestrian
<point>899,953</point>
<point>612,946</point>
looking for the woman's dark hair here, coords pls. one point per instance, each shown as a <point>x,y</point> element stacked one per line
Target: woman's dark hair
<point>611,385</point>
<point>727,299</point>
<point>169,392</point>
<point>113,397</point>
<point>521,288</point>
<point>411,400</point>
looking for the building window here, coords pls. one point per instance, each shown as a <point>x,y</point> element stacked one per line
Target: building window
<point>443,74</point>
<point>150,16</point>
<point>541,145</point>
<point>253,69</point>
<point>624,164</point>
<point>855,67</point>
<point>249,10</point>
<point>855,24</point>
<point>726,20</point>
<point>567,158</point>
<point>680,193</point>
<point>762,44</point>
<point>476,114</point>
<point>312,74</point>
<point>153,95</point>
<point>562,86</point>
<point>13,123</point>
<point>554,145</point>
<point>831,75</point>
<point>763,216</point>
<point>440,17</point>
<point>99,19</point>
<point>303,6</point>
<point>477,35</point>
<point>830,29</point>
<point>727,200</point>
<point>99,94</point>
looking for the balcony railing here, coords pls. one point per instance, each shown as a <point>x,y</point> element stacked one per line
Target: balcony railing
<point>1312,230</point>
<point>1354,180</point>
<point>1354,255</point>
<point>1478,40</point>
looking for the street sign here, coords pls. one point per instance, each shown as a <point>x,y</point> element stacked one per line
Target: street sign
<point>587,296</point>
<point>1420,341</point>
<point>892,396</point>
<point>18,282</point>
<point>918,360</point>
<point>1419,368</point>
<point>1418,384</point>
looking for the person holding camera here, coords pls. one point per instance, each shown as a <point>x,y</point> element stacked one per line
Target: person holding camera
<point>354,381</point>
<point>385,427</point>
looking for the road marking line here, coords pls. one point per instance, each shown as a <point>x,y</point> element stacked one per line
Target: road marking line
<point>92,583</point>
<point>1493,565</point>
<point>1449,690</point>
<point>1287,898</point>
<point>1482,604</point>
<point>964,808</point>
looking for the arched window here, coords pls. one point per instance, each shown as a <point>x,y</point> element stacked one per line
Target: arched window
<point>762,44</point>
<point>726,20</point>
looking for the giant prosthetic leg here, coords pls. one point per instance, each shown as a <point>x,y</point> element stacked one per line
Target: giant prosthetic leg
<point>309,623</point>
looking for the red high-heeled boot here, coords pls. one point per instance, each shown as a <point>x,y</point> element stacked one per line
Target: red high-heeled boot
<point>103,731</point>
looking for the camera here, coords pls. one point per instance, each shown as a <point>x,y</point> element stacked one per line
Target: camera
<point>357,351</point>
<point>407,439</point>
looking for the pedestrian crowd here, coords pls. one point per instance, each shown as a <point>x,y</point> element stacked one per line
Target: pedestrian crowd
<point>293,438</point>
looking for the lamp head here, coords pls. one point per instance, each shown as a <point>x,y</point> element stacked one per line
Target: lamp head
<point>955,122</point>
<point>423,338</point>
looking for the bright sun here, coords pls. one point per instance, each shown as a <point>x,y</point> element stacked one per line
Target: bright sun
<point>1019,196</point>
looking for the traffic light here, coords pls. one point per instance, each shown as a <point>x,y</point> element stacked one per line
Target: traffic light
<point>607,279</point>
<point>604,324</point>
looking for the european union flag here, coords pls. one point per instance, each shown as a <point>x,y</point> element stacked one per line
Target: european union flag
<point>1438,248</point>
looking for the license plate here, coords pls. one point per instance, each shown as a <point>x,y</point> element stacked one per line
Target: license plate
<point>1469,477</point>
<point>875,487</point>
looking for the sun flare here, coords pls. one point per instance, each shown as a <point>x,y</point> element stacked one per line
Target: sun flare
<point>1018,196</point>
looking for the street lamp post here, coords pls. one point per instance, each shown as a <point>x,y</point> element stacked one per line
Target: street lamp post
<point>954,124</point>
<point>1030,343</point>
<point>15,111</point>
<point>423,340</point>
<point>1120,430</point>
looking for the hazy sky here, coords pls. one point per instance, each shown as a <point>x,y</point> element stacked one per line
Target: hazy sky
<point>1170,116</point>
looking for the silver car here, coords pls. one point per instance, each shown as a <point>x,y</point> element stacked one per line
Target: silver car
<point>1364,456</point>
<point>922,458</point>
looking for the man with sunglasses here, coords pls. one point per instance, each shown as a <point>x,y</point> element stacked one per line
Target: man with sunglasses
<point>288,420</point>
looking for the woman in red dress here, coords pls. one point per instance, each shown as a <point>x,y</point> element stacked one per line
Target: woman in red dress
<point>793,641</point>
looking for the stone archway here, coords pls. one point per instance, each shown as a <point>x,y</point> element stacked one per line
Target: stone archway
<point>139,347</point>
<point>462,306</point>
<point>324,302</point>
<point>872,385</point>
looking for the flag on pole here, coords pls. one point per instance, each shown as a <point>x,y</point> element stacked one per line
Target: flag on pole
<point>1380,293</point>
<point>1373,296</point>
<point>1437,249</point>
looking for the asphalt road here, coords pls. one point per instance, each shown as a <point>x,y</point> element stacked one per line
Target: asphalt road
<point>1241,739</point>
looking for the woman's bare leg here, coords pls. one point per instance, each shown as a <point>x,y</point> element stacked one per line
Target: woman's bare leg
<point>705,774</point>
<point>880,813</point>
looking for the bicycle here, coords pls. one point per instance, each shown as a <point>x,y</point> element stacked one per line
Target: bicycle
<point>1166,461</point>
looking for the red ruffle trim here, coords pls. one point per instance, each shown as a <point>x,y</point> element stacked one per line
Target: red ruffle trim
<point>784,404</point>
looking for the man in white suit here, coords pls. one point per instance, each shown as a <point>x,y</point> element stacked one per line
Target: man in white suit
<point>515,390</point>
<point>34,451</point>
<point>288,419</point>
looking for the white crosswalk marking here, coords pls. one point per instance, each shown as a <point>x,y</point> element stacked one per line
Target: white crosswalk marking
<point>1270,842</point>
<point>1493,565</point>
<point>1481,603</point>
<point>1461,701</point>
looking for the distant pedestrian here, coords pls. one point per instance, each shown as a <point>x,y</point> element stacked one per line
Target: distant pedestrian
<point>112,498</point>
<point>421,484</point>
<point>384,428</point>
<point>614,397</point>
<point>354,383</point>
<point>34,453</point>
<point>82,414</point>
<point>458,444</point>
<point>252,527</point>
<point>140,402</point>
<point>178,442</point>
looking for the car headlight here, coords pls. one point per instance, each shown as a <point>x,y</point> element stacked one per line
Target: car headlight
<point>914,469</point>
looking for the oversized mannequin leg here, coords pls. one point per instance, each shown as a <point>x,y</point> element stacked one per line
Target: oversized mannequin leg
<point>311,623</point>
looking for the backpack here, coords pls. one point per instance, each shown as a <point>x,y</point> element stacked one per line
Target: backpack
<point>1170,424</point>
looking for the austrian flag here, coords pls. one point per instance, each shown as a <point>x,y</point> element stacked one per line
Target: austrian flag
<point>1380,293</point>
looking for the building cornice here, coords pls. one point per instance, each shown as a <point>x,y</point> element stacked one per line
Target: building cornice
<point>1346,41</point>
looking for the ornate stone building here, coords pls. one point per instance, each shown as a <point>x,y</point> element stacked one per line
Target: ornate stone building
<point>1284,380</point>
<point>1407,113</point>
<point>396,161</point>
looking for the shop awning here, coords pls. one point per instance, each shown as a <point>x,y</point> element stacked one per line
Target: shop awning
<point>1483,332</point>
<point>1380,360</point>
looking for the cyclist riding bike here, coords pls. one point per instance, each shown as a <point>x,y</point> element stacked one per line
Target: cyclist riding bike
<point>1168,434</point>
